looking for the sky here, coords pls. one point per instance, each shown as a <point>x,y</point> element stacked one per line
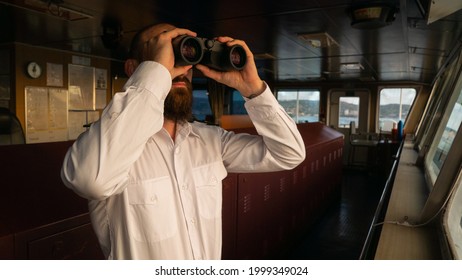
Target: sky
<point>387,95</point>
<point>303,95</point>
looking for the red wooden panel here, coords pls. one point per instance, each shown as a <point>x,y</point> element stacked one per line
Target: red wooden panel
<point>249,224</point>
<point>229,214</point>
<point>263,209</point>
<point>32,191</point>
<point>72,238</point>
<point>7,247</point>
<point>276,205</point>
<point>298,197</point>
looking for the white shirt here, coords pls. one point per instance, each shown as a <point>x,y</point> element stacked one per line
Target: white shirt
<point>154,198</point>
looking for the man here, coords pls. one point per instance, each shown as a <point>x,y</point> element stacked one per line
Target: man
<point>153,179</point>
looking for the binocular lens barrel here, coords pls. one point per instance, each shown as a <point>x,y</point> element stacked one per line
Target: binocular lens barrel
<point>193,50</point>
<point>237,57</point>
<point>189,51</point>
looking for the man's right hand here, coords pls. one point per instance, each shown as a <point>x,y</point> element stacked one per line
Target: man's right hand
<point>159,48</point>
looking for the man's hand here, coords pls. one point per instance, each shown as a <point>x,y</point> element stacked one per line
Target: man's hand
<point>246,81</point>
<point>159,48</point>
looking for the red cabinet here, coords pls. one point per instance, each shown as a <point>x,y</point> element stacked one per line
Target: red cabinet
<point>273,207</point>
<point>42,219</point>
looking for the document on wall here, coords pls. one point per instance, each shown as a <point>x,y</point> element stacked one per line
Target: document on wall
<point>81,87</point>
<point>54,74</point>
<point>46,114</point>
<point>77,122</point>
<point>57,116</point>
<point>100,88</point>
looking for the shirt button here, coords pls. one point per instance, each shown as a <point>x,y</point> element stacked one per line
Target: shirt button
<point>214,180</point>
<point>154,198</point>
<point>177,151</point>
<point>184,187</point>
<point>193,221</point>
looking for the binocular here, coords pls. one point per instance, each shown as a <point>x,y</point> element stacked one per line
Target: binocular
<point>193,50</point>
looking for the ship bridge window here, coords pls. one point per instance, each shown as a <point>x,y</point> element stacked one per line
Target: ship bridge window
<point>301,104</point>
<point>237,104</point>
<point>201,105</point>
<point>394,106</point>
<point>445,134</point>
<point>453,220</point>
<point>348,111</point>
<point>443,162</point>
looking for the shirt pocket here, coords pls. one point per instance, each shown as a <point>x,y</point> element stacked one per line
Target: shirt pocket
<point>152,210</point>
<point>208,183</point>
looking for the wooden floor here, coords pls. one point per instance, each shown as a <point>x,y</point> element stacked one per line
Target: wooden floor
<point>340,234</point>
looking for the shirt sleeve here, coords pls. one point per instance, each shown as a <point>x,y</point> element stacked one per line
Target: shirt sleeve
<point>97,164</point>
<point>278,145</point>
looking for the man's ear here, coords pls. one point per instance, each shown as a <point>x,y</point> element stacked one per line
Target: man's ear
<point>130,66</point>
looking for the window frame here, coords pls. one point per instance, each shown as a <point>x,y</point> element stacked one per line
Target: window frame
<point>439,184</point>
<point>452,218</point>
<point>379,97</point>
<point>298,90</point>
<point>347,125</point>
<point>429,163</point>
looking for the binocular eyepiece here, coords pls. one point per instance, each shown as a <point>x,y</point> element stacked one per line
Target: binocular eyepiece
<point>193,50</point>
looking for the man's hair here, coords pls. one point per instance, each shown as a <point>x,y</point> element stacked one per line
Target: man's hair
<point>135,46</point>
<point>137,42</point>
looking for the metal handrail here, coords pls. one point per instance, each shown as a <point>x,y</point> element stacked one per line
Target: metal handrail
<point>380,206</point>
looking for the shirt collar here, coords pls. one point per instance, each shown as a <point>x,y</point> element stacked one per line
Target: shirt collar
<point>185,129</point>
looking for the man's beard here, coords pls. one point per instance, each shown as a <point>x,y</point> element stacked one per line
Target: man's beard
<point>178,103</point>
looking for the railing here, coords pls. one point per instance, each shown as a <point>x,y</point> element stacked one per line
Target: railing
<point>370,244</point>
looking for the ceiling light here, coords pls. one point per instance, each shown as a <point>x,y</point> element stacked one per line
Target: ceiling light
<point>372,14</point>
<point>356,66</point>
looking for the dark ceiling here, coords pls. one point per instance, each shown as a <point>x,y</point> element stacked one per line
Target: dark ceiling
<point>408,49</point>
